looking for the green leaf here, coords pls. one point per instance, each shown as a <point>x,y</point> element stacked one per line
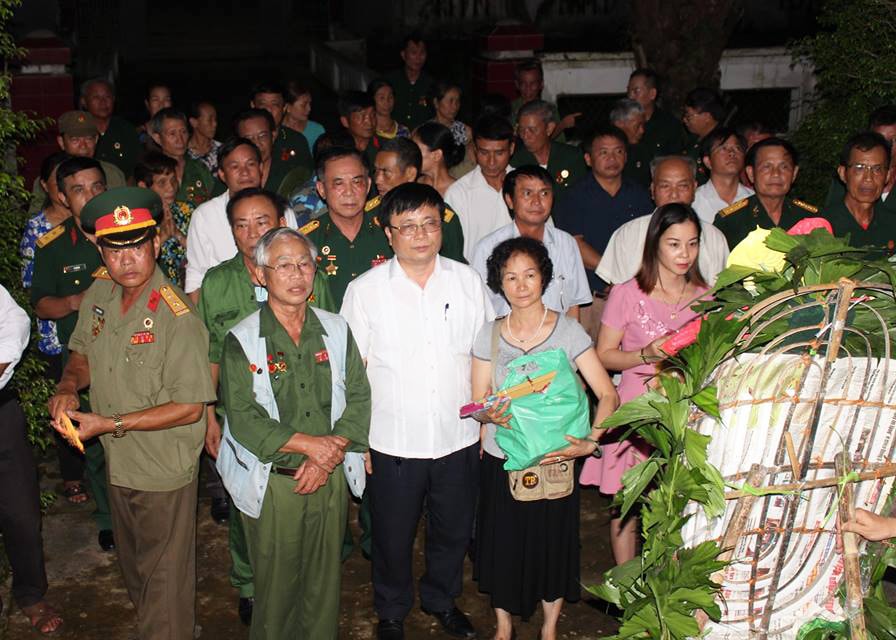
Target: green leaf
<point>707,400</point>
<point>633,411</point>
<point>695,445</point>
<point>778,240</point>
<point>635,480</point>
<point>734,273</point>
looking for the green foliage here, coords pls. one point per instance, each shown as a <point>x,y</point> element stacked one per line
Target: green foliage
<point>854,55</point>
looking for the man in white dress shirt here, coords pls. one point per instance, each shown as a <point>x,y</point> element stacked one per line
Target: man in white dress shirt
<point>723,152</point>
<point>477,198</point>
<point>209,238</point>
<point>528,192</point>
<point>674,180</point>
<point>414,319</point>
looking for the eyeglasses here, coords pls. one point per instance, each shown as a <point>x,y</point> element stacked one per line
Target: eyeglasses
<point>873,169</point>
<point>261,135</point>
<point>410,230</point>
<point>292,268</point>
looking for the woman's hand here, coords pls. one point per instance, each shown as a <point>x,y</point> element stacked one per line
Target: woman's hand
<point>578,447</point>
<point>653,352</point>
<point>497,414</point>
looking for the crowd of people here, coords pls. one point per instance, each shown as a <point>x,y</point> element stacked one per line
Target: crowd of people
<point>302,312</point>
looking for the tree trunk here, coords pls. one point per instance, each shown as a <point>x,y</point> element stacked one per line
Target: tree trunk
<point>682,40</point>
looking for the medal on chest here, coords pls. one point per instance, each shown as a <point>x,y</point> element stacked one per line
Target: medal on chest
<point>143,337</point>
<point>331,267</point>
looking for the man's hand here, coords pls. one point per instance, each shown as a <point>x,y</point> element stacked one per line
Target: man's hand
<point>58,404</point>
<point>91,425</point>
<point>309,478</point>
<point>325,451</point>
<point>368,463</point>
<point>74,300</point>
<point>566,123</point>
<point>212,433</point>
<point>871,526</point>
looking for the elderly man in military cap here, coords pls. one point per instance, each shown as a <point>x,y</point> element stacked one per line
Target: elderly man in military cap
<point>78,136</point>
<point>143,352</point>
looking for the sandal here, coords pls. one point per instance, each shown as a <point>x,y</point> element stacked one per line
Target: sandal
<point>43,618</point>
<point>74,492</point>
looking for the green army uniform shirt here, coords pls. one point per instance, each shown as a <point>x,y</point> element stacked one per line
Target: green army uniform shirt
<point>114,178</point>
<point>302,384</point>
<point>566,164</point>
<point>286,177</point>
<point>663,135</point>
<point>155,353</point>
<point>737,220</point>
<point>452,231</point>
<point>291,148</point>
<point>119,145</point>
<point>228,295</point>
<point>412,106</point>
<point>342,260</point>
<point>65,263</point>
<point>880,233</point>
<point>637,165</point>
<point>692,150</point>
<point>197,183</point>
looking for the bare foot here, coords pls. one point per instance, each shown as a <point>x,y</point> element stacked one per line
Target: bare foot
<point>43,617</point>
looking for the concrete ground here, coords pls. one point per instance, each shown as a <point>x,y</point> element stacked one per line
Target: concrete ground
<point>86,585</point>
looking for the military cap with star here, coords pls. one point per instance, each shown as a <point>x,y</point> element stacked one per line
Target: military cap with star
<point>77,123</point>
<point>122,217</point>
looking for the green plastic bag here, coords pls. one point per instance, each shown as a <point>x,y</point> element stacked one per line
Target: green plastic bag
<point>540,421</point>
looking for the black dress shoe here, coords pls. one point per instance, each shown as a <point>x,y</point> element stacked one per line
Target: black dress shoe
<point>390,630</point>
<point>245,610</point>
<point>454,622</point>
<point>220,510</point>
<point>106,540</point>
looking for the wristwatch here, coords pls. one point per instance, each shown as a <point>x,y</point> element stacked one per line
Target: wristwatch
<point>119,426</point>
<point>597,453</point>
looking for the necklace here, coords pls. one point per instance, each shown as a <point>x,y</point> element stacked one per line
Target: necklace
<point>537,331</point>
<point>675,307</point>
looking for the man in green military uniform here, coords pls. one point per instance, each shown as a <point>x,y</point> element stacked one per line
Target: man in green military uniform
<point>66,262</point>
<point>400,161</point>
<point>356,114</point>
<point>350,241</point>
<point>628,116</point>
<point>296,539</point>
<point>144,354</point>
<point>78,136</point>
<point>169,130</point>
<point>535,127</point>
<point>703,112</point>
<point>290,146</point>
<point>118,142</point>
<point>663,133</point>
<point>411,85</point>
<point>864,167</point>
<point>772,166</point>
<point>230,292</point>
<point>281,174</point>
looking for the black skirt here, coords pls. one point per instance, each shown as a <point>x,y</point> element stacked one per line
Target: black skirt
<point>526,552</point>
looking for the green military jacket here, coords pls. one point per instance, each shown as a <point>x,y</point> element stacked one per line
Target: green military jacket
<point>155,353</point>
<point>452,231</point>
<point>291,148</point>
<point>119,145</point>
<point>692,150</point>
<point>301,381</point>
<point>880,233</point>
<point>342,260</point>
<point>228,295</point>
<point>412,107</point>
<point>566,164</point>
<point>114,178</point>
<point>737,220</point>
<point>286,177</point>
<point>637,165</point>
<point>197,184</point>
<point>663,135</point>
<point>65,263</point>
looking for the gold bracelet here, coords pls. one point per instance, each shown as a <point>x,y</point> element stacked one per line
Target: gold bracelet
<point>119,426</point>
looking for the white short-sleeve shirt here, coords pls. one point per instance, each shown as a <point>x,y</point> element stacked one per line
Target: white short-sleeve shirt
<point>708,202</point>
<point>480,208</point>
<point>14,333</point>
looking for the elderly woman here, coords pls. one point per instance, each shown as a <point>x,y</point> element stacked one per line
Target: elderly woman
<point>529,551</point>
<point>278,394</point>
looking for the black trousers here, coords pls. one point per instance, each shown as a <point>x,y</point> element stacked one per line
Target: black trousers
<point>20,506</point>
<point>400,490</point>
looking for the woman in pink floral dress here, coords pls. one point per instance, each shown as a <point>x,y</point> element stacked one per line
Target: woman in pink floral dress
<point>638,317</point>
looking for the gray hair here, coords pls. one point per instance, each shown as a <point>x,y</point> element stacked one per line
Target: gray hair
<point>539,108</point>
<point>263,248</point>
<point>656,162</point>
<point>624,109</point>
<point>98,80</point>
<point>168,113</point>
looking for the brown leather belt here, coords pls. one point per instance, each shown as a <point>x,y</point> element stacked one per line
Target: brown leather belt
<point>284,471</point>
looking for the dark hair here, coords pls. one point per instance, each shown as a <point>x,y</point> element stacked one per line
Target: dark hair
<point>651,79</point>
<point>493,128</point>
<point>295,90</point>
<point>717,137</point>
<point>332,138</point>
<point>529,64</point>
<point>280,204</point>
<point>882,116</point>
<point>336,153</point>
<point>409,196</point>
<point>232,144</point>
<point>865,141</point>
<point>437,136</point>
<point>602,131</point>
<point>663,218</point>
<point>413,36</point>
<point>249,114</point>
<point>772,142</point>
<point>439,88</point>
<point>407,151</point>
<point>153,163</point>
<point>377,84</point>
<point>51,162</point>
<point>755,126</point>
<point>495,104</point>
<point>704,100</point>
<point>195,106</point>
<point>168,113</point>
<point>154,85</point>
<point>525,171</point>
<point>73,165</point>
<point>351,101</point>
<point>531,247</point>
<point>267,87</point>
